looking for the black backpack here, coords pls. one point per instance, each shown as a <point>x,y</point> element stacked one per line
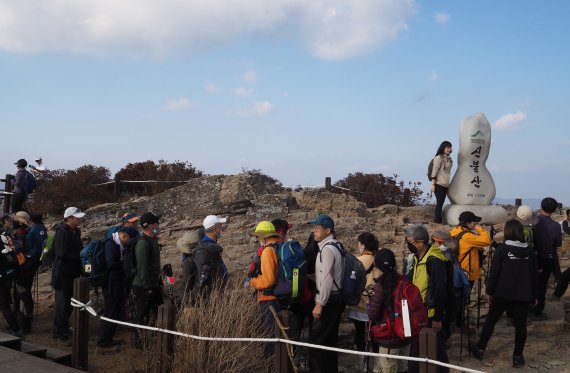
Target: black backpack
<point>353,277</point>
<point>30,183</point>
<point>130,259</point>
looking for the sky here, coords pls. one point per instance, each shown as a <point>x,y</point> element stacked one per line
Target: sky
<point>301,90</point>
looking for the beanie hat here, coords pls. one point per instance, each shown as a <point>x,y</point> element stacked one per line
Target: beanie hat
<point>385,260</point>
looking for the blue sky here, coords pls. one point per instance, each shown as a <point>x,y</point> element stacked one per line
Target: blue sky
<point>301,90</point>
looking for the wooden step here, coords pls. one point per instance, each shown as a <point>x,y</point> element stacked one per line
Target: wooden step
<point>8,340</point>
<point>34,350</point>
<point>58,356</point>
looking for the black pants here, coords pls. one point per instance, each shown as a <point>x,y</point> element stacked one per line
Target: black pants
<point>519,311</point>
<point>269,324</point>
<point>548,266</point>
<point>325,332</point>
<point>360,334</point>
<point>18,200</point>
<point>23,293</point>
<point>562,284</point>
<point>414,366</point>
<point>5,301</point>
<point>440,194</point>
<point>62,312</point>
<point>114,297</point>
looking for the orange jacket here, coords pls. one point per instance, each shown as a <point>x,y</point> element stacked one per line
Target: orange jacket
<point>268,277</point>
<point>469,247</point>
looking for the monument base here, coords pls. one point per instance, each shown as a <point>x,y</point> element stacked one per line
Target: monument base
<point>490,214</point>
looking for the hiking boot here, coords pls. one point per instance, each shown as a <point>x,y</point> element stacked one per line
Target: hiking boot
<point>108,350</point>
<point>17,333</point>
<point>554,298</point>
<point>518,361</point>
<point>477,352</point>
<point>540,317</point>
<point>64,342</point>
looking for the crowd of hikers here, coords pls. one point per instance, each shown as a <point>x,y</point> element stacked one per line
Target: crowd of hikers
<point>318,282</point>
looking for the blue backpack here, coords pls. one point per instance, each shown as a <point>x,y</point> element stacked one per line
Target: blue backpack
<point>291,274</point>
<point>30,183</point>
<point>93,263</point>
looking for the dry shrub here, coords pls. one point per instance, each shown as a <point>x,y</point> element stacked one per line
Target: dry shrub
<point>232,313</point>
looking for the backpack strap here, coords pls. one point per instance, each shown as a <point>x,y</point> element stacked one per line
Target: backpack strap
<point>458,238</point>
<point>342,252</point>
<point>370,269</point>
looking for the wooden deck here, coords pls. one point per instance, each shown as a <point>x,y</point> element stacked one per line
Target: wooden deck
<point>12,361</point>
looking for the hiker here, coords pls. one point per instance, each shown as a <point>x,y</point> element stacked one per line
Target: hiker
<point>114,287</point>
<point>472,241</point>
<point>367,247</point>
<point>547,240</point>
<point>528,220</point>
<point>511,286</point>
<point>429,275</point>
<point>5,223</point>
<point>8,271</point>
<point>265,278</point>
<point>328,303</point>
<point>210,268</point>
<point>562,283</point>
<point>188,242</point>
<point>22,290</point>
<point>380,304</point>
<point>440,177</point>
<point>41,168</point>
<point>127,220</point>
<point>461,286</point>
<point>66,268</point>
<point>565,223</point>
<point>19,195</point>
<point>147,284</point>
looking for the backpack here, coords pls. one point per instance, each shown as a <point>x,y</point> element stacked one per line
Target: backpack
<point>291,274</point>
<point>430,169</point>
<point>529,236</point>
<point>409,317</point>
<point>47,253</point>
<point>8,264</point>
<point>93,263</point>
<point>30,183</point>
<point>353,277</point>
<point>130,260</point>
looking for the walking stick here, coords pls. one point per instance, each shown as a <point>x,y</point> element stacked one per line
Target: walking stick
<point>468,334</point>
<point>36,294</point>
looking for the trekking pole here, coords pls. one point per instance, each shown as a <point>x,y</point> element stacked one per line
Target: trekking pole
<point>468,334</point>
<point>478,301</point>
<point>37,295</point>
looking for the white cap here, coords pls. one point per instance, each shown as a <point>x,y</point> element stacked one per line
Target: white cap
<point>38,158</point>
<point>73,211</point>
<point>212,220</point>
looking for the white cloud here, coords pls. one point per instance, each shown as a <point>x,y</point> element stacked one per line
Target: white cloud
<point>243,91</point>
<point>433,76</point>
<point>332,29</point>
<point>509,121</point>
<point>211,87</point>
<point>258,109</point>
<point>441,18</point>
<point>250,76</point>
<point>177,104</point>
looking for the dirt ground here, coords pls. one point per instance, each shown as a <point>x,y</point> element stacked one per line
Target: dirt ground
<point>547,347</point>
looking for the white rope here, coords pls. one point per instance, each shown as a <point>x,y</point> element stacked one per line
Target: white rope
<point>87,307</point>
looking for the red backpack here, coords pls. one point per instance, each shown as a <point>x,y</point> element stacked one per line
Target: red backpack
<point>409,317</point>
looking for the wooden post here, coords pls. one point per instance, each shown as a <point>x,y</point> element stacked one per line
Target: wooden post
<point>328,183</point>
<point>116,191</point>
<point>80,330</point>
<point>7,197</point>
<point>428,348</point>
<point>166,318</point>
<point>518,202</point>
<point>282,356</point>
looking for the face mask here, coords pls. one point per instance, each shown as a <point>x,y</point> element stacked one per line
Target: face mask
<point>412,248</point>
<point>155,231</point>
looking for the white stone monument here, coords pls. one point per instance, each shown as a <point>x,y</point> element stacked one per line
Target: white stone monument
<point>472,187</point>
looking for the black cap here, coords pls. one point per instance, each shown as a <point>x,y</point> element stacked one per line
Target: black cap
<point>281,225</point>
<point>385,260</point>
<point>148,218</point>
<point>21,163</point>
<point>468,216</point>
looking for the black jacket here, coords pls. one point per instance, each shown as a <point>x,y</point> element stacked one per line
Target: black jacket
<point>66,263</point>
<point>208,257</point>
<point>513,273</point>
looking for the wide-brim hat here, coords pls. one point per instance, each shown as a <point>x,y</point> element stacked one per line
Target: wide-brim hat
<point>188,241</point>
<point>22,217</point>
<point>445,237</point>
<point>526,216</point>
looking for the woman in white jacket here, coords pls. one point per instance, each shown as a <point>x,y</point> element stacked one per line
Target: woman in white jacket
<point>440,177</point>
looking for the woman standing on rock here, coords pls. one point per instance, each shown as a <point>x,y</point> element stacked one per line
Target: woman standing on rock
<point>511,286</point>
<point>440,177</point>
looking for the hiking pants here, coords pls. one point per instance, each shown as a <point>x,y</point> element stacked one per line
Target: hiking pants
<point>114,298</point>
<point>519,311</point>
<point>360,334</point>
<point>548,266</point>
<point>23,293</point>
<point>325,332</point>
<point>5,308</point>
<point>269,324</point>
<point>414,366</point>
<point>146,308</point>
<point>62,312</point>
<point>562,284</point>
<point>18,200</point>
<point>440,194</point>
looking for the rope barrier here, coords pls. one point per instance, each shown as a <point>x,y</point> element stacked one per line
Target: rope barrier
<point>140,181</point>
<point>87,307</point>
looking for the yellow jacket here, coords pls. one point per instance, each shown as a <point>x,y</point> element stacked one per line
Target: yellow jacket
<point>470,245</point>
<point>268,276</point>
